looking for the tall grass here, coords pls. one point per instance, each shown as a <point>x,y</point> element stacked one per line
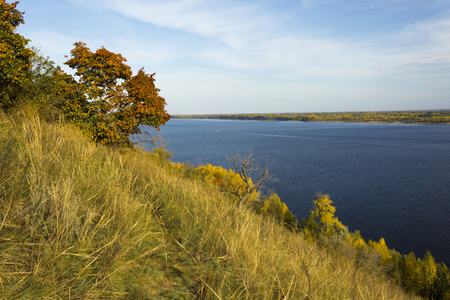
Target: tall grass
<point>82,221</point>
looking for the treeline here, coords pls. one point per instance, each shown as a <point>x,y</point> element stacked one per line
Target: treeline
<point>421,276</point>
<point>422,117</point>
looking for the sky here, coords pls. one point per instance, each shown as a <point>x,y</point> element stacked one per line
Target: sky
<point>263,56</point>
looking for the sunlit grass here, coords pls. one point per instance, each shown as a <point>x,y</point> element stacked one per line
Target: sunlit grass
<point>78,220</point>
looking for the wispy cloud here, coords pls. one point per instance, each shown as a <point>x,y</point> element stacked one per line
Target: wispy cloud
<point>250,38</point>
<point>221,20</point>
<point>423,49</point>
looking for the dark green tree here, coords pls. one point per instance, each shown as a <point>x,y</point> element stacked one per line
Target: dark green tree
<point>15,56</point>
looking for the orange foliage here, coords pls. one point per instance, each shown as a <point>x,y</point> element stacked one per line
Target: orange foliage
<point>117,103</point>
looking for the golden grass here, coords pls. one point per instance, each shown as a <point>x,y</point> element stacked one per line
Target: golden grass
<point>81,221</point>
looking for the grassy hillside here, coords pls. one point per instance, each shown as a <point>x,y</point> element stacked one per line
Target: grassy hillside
<point>83,221</point>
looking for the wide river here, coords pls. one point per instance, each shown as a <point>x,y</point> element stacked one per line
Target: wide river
<point>386,180</point>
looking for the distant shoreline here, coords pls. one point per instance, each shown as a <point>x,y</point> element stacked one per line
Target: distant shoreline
<point>431,117</point>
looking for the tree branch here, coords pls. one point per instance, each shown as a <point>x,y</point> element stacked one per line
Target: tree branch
<point>245,167</point>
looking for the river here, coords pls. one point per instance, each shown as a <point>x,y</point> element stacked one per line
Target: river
<point>386,180</point>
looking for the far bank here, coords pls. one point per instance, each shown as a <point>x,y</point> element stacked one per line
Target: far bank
<point>399,117</point>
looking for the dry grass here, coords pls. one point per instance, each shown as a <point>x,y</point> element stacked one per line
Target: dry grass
<point>81,221</point>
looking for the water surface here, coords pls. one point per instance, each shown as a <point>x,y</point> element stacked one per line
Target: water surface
<point>386,180</point>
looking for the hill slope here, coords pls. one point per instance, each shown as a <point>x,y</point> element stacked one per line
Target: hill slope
<point>79,220</point>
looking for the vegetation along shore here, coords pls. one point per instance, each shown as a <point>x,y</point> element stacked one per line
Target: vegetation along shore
<point>84,214</point>
<point>405,117</point>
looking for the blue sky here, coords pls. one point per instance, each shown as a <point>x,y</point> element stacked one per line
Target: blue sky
<point>236,56</point>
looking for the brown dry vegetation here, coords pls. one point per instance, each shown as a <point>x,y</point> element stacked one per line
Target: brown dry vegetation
<point>83,221</point>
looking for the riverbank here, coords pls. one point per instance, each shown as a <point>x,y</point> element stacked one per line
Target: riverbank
<point>399,117</point>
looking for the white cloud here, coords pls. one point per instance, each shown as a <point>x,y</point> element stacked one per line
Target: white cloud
<point>423,50</point>
<point>222,21</point>
<point>306,3</point>
<point>240,37</point>
<point>434,34</point>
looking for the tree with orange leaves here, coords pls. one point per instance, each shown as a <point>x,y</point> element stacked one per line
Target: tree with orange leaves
<point>117,102</point>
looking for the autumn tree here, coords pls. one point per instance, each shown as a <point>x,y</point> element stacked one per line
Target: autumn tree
<point>322,219</point>
<point>385,254</point>
<point>246,167</point>
<point>441,286</point>
<point>244,190</point>
<point>273,206</point>
<point>229,182</point>
<point>46,87</point>
<point>117,102</point>
<point>15,56</point>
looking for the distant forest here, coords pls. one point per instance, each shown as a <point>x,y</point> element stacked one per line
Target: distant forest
<point>421,117</point>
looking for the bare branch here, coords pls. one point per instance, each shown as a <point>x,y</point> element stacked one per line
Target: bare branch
<point>245,167</point>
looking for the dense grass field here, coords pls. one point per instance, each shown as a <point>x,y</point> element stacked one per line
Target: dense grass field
<point>82,221</point>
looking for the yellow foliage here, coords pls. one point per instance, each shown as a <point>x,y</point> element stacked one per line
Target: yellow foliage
<point>274,207</point>
<point>429,270</point>
<point>359,242</point>
<point>382,249</point>
<point>227,180</point>
<point>323,215</point>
